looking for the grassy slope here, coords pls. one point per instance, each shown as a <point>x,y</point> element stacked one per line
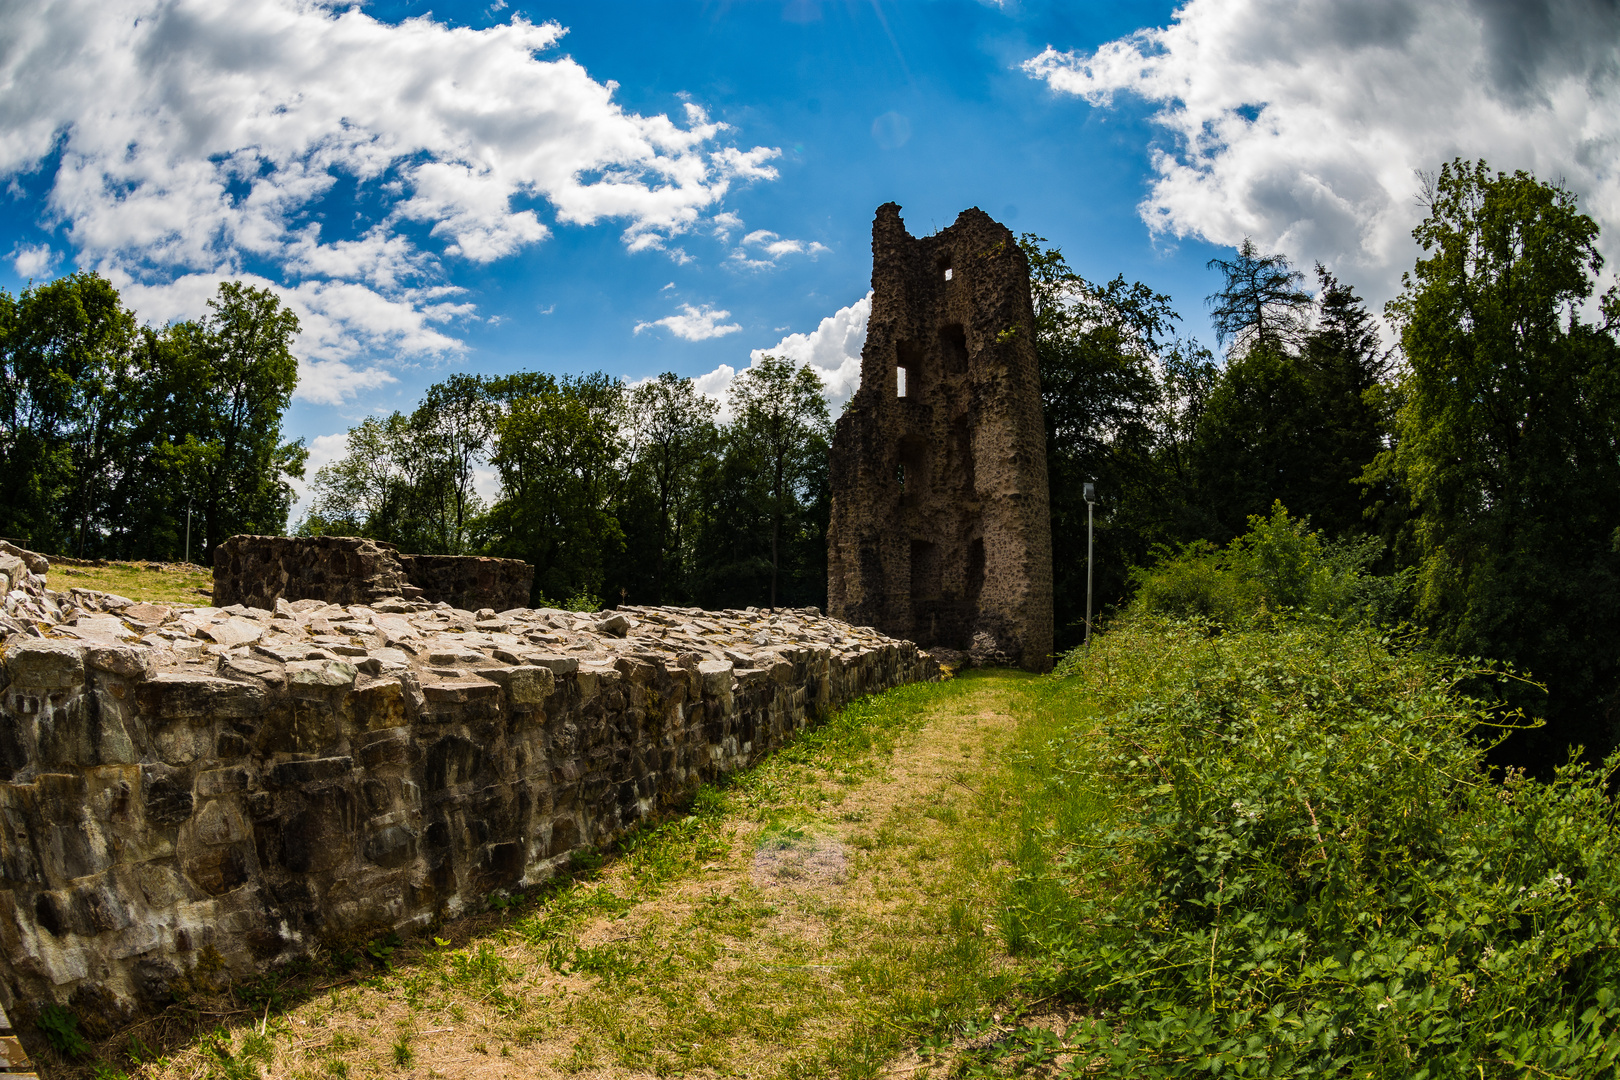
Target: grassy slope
<point>173,583</point>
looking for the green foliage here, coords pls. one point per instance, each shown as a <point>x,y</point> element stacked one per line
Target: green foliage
<point>61,1028</point>
<point>673,428</point>
<point>1311,871</point>
<point>1182,450</point>
<point>766,534</point>
<point>1278,566</point>
<point>409,480</point>
<point>108,432</point>
<point>1113,386</point>
<point>236,378</point>
<point>581,601</point>
<point>1290,417</point>
<point>560,449</point>
<point>1509,420</point>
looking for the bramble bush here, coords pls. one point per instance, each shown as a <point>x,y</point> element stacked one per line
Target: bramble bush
<point>1278,566</point>
<point>1310,869</point>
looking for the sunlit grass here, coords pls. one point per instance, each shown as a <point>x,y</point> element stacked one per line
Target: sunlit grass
<point>166,583</point>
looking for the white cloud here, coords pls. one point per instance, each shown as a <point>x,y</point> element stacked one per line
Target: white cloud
<point>200,138</point>
<point>694,323</point>
<point>772,247</point>
<point>717,383</point>
<point>1303,124</point>
<point>33,260</point>
<point>832,350</point>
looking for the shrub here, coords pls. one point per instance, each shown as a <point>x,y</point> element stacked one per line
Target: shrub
<point>1278,566</point>
<point>1319,875</point>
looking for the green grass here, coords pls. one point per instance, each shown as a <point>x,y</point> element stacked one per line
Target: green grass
<point>167,583</point>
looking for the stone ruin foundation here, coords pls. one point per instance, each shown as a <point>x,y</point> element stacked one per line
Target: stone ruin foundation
<point>940,528</point>
<point>256,571</point>
<point>242,783</point>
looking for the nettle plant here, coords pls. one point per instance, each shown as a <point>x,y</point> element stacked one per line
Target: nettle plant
<point>1320,874</point>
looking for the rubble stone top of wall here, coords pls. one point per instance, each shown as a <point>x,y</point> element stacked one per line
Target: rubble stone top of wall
<point>310,641</point>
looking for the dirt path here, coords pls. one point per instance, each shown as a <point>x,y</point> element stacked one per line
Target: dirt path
<point>819,920</point>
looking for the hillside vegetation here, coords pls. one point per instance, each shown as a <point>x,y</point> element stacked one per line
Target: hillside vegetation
<point>1312,870</point>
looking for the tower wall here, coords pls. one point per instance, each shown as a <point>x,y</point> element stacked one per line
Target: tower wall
<point>940,529</point>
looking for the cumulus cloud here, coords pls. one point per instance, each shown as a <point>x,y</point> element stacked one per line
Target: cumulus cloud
<point>832,350</point>
<point>33,260</point>
<point>205,137</point>
<point>1304,123</point>
<point>694,323</point>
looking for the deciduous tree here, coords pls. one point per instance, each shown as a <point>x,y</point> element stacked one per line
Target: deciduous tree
<point>1510,441</point>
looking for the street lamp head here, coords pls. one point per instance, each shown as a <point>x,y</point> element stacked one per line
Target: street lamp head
<point>1091,492</point>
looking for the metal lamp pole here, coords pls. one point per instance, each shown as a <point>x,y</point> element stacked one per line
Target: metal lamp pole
<point>1091,495</point>
<point>188,537</point>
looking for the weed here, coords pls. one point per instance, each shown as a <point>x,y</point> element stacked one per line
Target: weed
<point>61,1028</point>
<point>404,1056</point>
<point>781,836</point>
<point>584,862</point>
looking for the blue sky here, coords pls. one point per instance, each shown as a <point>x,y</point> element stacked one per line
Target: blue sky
<point>677,186</point>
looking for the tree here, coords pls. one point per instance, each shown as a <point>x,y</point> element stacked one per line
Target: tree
<point>1510,442</point>
<point>1293,417</point>
<point>1349,374</point>
<point>1261,305</point>
<point>451,429</point>
<point>1101,350</point>
<point>562,459</point>
<point>240,377</point>
<point>673,426</point>
<point>781,418</point>
<point>67,352</point>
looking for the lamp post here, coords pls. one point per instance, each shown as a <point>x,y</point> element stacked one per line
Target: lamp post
<point>1091,496</point>
<point>188,533</point>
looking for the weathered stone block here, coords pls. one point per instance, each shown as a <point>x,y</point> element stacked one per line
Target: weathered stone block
<point>45,664</point>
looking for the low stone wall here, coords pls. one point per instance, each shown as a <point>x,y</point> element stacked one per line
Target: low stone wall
<point>256,571</point>
<point>471,582</point>
<point>243,783</point>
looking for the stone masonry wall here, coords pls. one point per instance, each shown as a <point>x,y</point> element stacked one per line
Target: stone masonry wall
<point>470,581</point>
<point>940,529</point>
<point>254,781</point>
<point>259,570</point>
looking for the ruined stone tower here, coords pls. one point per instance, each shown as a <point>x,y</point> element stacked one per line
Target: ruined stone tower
<point>940,527</point>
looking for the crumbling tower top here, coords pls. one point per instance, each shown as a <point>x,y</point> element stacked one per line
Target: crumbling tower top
<point>941,529</point>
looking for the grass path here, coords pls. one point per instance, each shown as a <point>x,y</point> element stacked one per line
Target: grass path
<point>828,914</point>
